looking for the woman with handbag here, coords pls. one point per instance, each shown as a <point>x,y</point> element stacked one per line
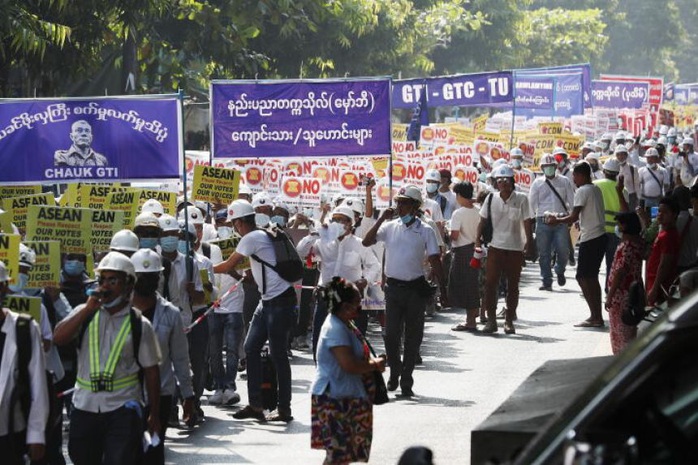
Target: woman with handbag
<point>341,404</point>
<point>626,268</point>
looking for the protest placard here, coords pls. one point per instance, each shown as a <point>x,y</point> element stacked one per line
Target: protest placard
<point>9,254</point>
<point>168,200</point>
<point>103,225</point>
<point>71,226</point>
<point>215,185</point>
<point>301,191</point>
<point>17,207</point>
<point>127,202</point>
<point>228,247</point>
<point>7,192</point>
<point>47,269</point>
<point>28,305</point>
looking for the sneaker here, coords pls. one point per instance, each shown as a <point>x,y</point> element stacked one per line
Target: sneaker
<point>561,280</point>
<point>280,415</point>
<point>216,398</point>
<point>250,412</point>
<point>230,397</point>
<point>548,288</point>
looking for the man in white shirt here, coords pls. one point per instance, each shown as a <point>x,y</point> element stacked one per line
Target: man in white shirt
<point>511,238</point>
<point>274,318</point>
<point>27,432</point>
<point>630,175</point>
<point>687,163</point>
<point>589,211</point>
<point>341,254</point>
<point>654,180</point>
<point>554,194</point>
<point>407,240</point>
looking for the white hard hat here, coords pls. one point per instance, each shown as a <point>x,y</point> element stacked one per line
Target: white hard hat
<point>146,219</point>
<point>560,151</point>
<point>663,129</point>
<point>194,215</point>
<point>4,275</point>
<point>516,152</point>
<point>433,175</point>
<point>261,199</point>
<point>124,240</point>
<point>687,141</point>
<point>607,136</point>
<point>337,198</point>
<point>244,189</point>
<point>620,135</point>
<point>168,223</point>
<point>649,143</point>
<point>503,171</point>
<point>620,149</point>
<point>498,162</point>
<point>345,211</point>
<point>116,261</point>
<point>671,132</point>
<point>592,156</point>
<point>152,206</point>
<point>146,261</point>
<point>411,192</point>
<point>662,141</point>
<point>27,257</point>
<point>651,152</point>
<point>611,165</point>
<point>547,159</point>
<point>185,226</point>
<point>355,204</point>
<point>588,145</point>
<point>239,209</point>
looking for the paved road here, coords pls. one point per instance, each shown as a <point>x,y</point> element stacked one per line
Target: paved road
<point>463,379</point>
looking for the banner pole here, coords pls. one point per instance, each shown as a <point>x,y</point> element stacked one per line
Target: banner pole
<point>189,263</point>
<point>513,109</point>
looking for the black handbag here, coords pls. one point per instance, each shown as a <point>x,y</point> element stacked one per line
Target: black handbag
<point>488,227</point>
<point>380,391</point>
<point>634,312</point>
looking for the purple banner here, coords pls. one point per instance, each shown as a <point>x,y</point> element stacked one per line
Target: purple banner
<point>619,94</point>
<point>535,92</point>
<point>686,94</point>
<point>292,118</point>
<point>584,69</point>
<point>567,96</point>
<point>462,90</point>
<point>95,139</point>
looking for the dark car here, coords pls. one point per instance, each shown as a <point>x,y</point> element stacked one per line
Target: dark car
<point>642,409</point>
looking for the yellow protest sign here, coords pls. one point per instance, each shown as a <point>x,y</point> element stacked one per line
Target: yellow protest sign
<point>167,199</point>
<point>399,132</point>
<point>228,247</point>
<point>5,222</point>
<point>126,202</point>
<point>479,123</point>
<point>207,284</point>
<point>215,185</point>
<point>94,195</point>
<point>47,269</point>
<point>7,192</point>
<point>571,144</point>
<point>70,196</point>
<point>9,254</point>
<point>28,305</point>
<point>104,224</point>
<point>70,226</point>
<point>17,207</point>
<point>550,127</point>
<point>461,135</point>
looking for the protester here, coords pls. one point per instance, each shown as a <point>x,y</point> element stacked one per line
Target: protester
<point>654,180</point>
<point>147,228</point>
<point>661,269</point>
<point>589,211</point>
<point>612,206</point>
<point>630,175</point>
<point>341,409</point>
<point>687,163</point>
<point>272,321</point>
<point>126,242</point>
<point>445,190</point>
<point>107,417</point>
<point>626,269</point>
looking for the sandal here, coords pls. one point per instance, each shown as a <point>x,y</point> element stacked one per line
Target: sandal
<point>590,324</point>
<point>463,327</point>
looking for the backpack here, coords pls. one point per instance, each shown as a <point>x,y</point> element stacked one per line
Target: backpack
<point>289,265</point>
<point>22,391</point>
<point>488,228</point>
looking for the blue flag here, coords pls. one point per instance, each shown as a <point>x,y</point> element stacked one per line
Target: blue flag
<point>420,117</point>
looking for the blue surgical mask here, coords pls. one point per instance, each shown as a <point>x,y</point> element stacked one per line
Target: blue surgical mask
<point>516,163</point>
<point>21,284</point>
<point>113,303</point>
<point>309,212</point>
<point>148,242</point>
<point>169,243</point>
<point>261,219</point>
<point>432,187</point>
<point>407,218</point>
<point>182,247</point>
<point>618,232</point>
<point>278,220</point>
<point>549,171</point>
<point>74,267</point>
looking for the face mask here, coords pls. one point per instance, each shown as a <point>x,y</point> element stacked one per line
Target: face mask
<point>651,165</point>
<point>22,281</point>
<point>309,212</point>
<point>261,219</point>
<point>407,218</point>
<point>619,233</point>
<point>278,220</point>
<point>114,303</point>
<point>516,164</point>
<point>549,171</point>
<point>147,284</point>
<point>431,187</point>
<point>73,267</point>
<point>224,232</point>
<point>182,247</point>
<point>148,242</point>
<point>169,243</point>
<point>335,230</point>
<point>671,140</point>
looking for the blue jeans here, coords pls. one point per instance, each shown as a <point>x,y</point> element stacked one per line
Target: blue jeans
<point>549,238</point>
<point>226,327</point>
<point>273,321</point>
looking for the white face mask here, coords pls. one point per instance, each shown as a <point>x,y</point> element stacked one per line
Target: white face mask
<point>651,165</point>
<point>432,187</point>
<point>516,164</point>
<point>261,219</point>
<point>335,230</point>
<point>224,232</point>
<point>549,171</point>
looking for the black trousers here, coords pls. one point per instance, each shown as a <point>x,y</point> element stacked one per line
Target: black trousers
<point>156,455</point>
<point>110,438</point>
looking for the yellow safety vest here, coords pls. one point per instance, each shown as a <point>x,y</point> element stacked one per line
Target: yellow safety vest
<point>611,203</point>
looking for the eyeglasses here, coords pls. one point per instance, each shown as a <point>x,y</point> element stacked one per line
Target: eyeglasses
<point>111,280</point>
<point>502,179</point>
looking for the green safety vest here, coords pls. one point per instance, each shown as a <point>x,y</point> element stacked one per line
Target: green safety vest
<point>103,380</point>
<point>611,203</point>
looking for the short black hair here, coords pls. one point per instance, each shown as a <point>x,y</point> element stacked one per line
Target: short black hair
<point>631,222</point>
<point>671,203</point>
<point>582,168</point>
<point>682,194</point>
<point>694,191</point>
<point>464,189</point>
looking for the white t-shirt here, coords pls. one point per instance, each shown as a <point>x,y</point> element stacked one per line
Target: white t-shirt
<point>433,209</point>
<point>507,220</point>
<point>258,243</point>
<point>406,247</point>
<point>591,218</point>
<point>653,186</point>
<point>465,221</point>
